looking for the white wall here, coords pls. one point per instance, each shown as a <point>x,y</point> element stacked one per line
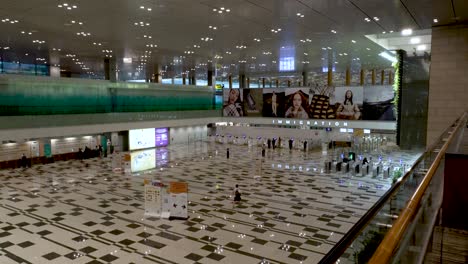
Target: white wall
<point>184,135</point>
<point>72,144</point>
<point>448,87</point>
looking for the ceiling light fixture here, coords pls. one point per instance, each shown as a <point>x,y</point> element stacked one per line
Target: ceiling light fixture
<point>67,6</point>
<point>206,39</point>
<point>436,20</point>
<point>84,34</point>
<point>387,56</point>
<point>196,46</point>
<point>141,24</point>
<point>333,31</point>
<point>367,19</point>
<point>256,39</point>
<point>415,40</point>
<point>146,8</point>
<point>300,15</point>
<point>406,32</point>
<point>266,53</point>
<point>147,36</point>
<point>228,52</point>
<point>212,27</point>
<point>39,41</point>
<point>376,19</point>
<point>11,21</point>
<point>97,44</point>
<point>221,10</point>
<point>421,47</point>
<point>276,30</point>
<point>241,47</point>
<point>151,46</point>
<point>353,41</point>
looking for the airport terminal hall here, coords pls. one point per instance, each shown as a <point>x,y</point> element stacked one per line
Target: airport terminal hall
<point>233,131</point>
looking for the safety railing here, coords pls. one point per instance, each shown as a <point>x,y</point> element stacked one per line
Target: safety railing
<point>424,204</point>
<point>367,235</point>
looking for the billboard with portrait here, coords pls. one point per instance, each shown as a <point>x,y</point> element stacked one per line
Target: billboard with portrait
<point>297,103</point>
<point>348,102</point>
<point>253,102</point>
<point>233,103</point>
<point>313,102</point>
<point>273,102</point>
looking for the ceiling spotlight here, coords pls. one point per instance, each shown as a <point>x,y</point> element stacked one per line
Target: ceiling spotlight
<point>67,6</point>
<point>346,54</point>
<point>324,48</point>
<point>329,48</point>
<point>39,41</point>
<point>221,10</point>
<point>147,36</point>
<point>256,39</point>
<point>141,24</point>
<point>353,41</point>
<point>367,49</point>
<point>212,27</point>
<point>97,44</point>
<point>436,20</point>
<point>367,19</point>
<point>11,21</point>
<point>266,53</point>
<point>151,46</point>
<point>147,8</point>
<point>376,19</point>
<point>333,31</point>
<point>406,32</point>
<point>228,52</point>
<point>206,39</point>
<point>241,47</point>
<point>196,46</point>
<point>276,30</point>
<point>384,32</point>
<point>300,15</point>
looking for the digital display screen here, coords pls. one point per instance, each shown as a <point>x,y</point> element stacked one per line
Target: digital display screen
<point>162,157</point>
<point>162,137</point>
<point>143,160</point>
<point>142,138</point>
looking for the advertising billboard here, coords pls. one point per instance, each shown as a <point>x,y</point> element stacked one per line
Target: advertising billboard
<point>142,138</point>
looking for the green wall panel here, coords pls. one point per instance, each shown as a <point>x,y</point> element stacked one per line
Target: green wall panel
<point>23,95</point>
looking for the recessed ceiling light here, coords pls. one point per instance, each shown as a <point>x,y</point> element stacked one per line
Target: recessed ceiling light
<point>353,41</point>
<point>384,32</point>
<point>376,19</point>
<point>256,39</point>
<point>415,40</point>
<point>212,27</point>
<point>367,19</point>
<point>300,15</point>
<point>333,31</point>
<point>406,32</point>
<point>306,53</point>
<point>367,49</point>
<point>329,48</point>
<point>436,20</point>
<point>324,48</point>
<point>421,47</point>
<point>276,30</point>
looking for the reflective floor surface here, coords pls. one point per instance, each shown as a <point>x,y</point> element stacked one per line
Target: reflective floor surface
<point>83,212</point>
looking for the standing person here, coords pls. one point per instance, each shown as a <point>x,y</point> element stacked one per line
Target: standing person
<point>305,145</point>
<point>273,104</point>
<point>348,110</point>
<point>296,110</point>
<point>80,154</point>
<point>263,150</point>
<point>269,143</point>
<point>227,153</point>
<point>233,106</point>
<point>24,161</point>
<point>290,144</point>
<point>273,142</point>
<point>279,142</point>
<point>237,194</point>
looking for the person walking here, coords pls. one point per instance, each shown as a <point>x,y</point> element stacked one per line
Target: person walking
<point>227,153</point>
<point>237,194</point>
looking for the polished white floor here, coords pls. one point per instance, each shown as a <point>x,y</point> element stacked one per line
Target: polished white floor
<point>83,212</point>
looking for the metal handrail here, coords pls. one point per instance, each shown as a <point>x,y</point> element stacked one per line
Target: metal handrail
<point>335,253</point>
<point>391,240</point>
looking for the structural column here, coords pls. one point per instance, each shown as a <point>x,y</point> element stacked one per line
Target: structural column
<point>184,79</point>
<point>330,75</point>
<point>230,81</point>
<point>210,77</point>
<point>263,83</point>
<point>248,83</point>
<point>241,80</point>
<point>362,77</point>
<point>110,69</point>
<point>382,77</point>
<point>155,78</point>
<point>348,76</point>
<point>390,77</point>
<point>373,76</point>
<point>305,78</point>
<point>277,83</point>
